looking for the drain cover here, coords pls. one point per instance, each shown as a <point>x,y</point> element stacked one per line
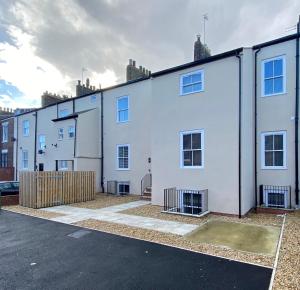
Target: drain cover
<point>79,234</point>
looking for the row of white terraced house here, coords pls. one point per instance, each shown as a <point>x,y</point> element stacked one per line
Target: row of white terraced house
<point>219,133</point>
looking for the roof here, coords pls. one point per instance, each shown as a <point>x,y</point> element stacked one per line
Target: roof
<point>174,69</point>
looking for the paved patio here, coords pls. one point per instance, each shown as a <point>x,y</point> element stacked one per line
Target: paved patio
<point>111,214</point>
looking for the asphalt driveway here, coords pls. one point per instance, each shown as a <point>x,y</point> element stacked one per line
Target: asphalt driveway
<point>40,254</point>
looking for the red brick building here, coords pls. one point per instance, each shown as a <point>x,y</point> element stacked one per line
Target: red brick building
<point>6,148</point>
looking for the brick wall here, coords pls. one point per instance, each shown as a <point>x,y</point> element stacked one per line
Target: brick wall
<point>7,174</point>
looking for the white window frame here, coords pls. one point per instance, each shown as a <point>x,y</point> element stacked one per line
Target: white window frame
<point>282,57</point>
<point>73,131</point>
<point>26,129</point>
<point>60,134</point>
<point>5,132</point>
<point>4,151</point>
<point>62,168</point>
<point>262,149</point>
<point>201,131</point>
<point>63,113</point>
<point>117,159</point>
<point>117,106</point>
<point>42,147</point>
<point>201,71</point>
<point>23,160</point>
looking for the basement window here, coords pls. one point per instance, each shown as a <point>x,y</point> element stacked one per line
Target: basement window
<point>192,82</point>
<point>123,188</point>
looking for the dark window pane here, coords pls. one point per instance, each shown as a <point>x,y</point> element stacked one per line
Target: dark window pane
<point>197,200</point>
<point>268,158</point>
<point>278,67</point>
<point>197,158</point>
<point>278,85</point>
<point>121,163</point>
<point>187,142</point>
<point>278,158</point>
<point>125,162</point>
<point>269,142</point>
<point>125,148</point>
<point>269,87</point>
<point>269,69</point>
<point>187,158</point>
<point>187,198</point>
<point>196,141</point>
<point>278,142</point>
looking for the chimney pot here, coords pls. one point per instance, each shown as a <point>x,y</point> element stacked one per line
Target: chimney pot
<point>79,82</point>
<point>133,63</point>
<point>130,61</point>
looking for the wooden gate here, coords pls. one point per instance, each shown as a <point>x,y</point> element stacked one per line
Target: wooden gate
<point>50,188</point>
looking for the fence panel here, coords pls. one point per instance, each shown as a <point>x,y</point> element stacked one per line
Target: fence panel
<point>49,188</point>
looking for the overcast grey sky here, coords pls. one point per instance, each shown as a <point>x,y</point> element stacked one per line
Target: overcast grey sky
<point>44,44</point>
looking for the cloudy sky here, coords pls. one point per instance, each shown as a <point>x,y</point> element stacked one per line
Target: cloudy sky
<point>44,44</point>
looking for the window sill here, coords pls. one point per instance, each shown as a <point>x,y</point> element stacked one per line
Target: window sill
<point>123,169</point>
<point>182,94</point>
<point>274,168</point>
<point>122,122</point>
<point>191,167</point>
<point>272,95</point>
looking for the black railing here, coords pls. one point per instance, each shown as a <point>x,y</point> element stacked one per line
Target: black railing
<point>275,196</point>
<point>146,182</point>
<point>185,201</point>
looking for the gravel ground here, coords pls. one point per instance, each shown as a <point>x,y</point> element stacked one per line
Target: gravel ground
<point>32,212</point>
<point>104,200</point>
<point>155,212</point>
<point>288,269</point>
<point>175,240</point>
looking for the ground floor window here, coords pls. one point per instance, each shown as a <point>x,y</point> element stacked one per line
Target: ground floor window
<point>192,149</point>
<point>4,158</point>
<point>123,157</point>
<point>62,165</point>
<point>123,188</point>
<point>25,159</point>
<point>273,150</point>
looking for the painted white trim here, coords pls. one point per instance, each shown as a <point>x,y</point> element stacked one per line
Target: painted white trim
<point>201,131</point>
<point>117,107</point>
<point>263,76</point>
<point>201,71</point>
<point>262,150</point>
<point>117,157</point>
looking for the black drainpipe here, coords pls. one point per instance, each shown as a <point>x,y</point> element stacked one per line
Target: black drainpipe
<point>240,132</point>
<point>102,150</point>
<point>297,117</point>
<point>255,126</point>
<point>35,139</point>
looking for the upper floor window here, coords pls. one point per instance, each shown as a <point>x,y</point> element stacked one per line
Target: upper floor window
<point>25,128</point>
<point>71,132</point>
<point>93,98</point>
<point>60,133</point>
<point>4,132</point>
<point>63,113</point>
<point>192,82</point>
<point>273,76</point>
<point>273,150</point>
<point>192,149</point>
<point>4,158</point>
<point>25,159</point>
<point>122,109</point>
<point>123,157</point>
<point>42,142</point>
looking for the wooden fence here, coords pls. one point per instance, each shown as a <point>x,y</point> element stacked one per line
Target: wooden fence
<point>50,188</point>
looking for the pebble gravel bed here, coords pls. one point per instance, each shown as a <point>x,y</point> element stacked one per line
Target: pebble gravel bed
<point>32,211</point>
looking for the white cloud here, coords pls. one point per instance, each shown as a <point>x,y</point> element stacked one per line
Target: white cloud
<point>33,75</point>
